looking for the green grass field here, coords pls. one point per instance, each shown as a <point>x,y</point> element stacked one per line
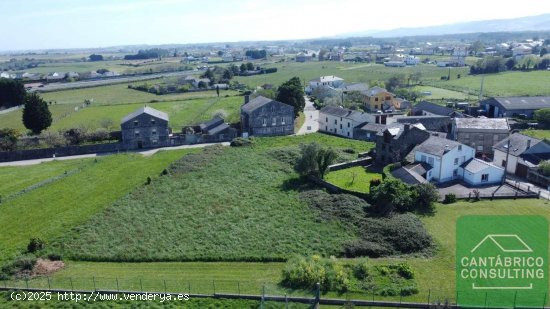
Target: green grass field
<point>442,94</point>
<point>355,179</point>
<point>540,134</point>
<point>502,84</point>
<point>181,113</point>
<point>351,72</point>
<point>121,94</point>
<point>240,204</point>
<point>53,209</point>
<point>435,276</point>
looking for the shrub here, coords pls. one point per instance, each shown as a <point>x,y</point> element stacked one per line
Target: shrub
<point>361,269</point>
<point>240,142</point>
<point>366,248</point>
<point>35,244</point>
<point>349,150</point>
<point>148,180</point>
<point>424,197</point>
<point>389,291</point>
<point>405,270</point>
<point>449,198</point>
<point>392,195</point>
<point>21,264</point>
<point>315,160</point>
<point>374,183</point>
<point>305,273</point>
<point>409,290</point>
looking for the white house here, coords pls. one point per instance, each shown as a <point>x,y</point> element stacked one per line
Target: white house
<point>520,152</point>
<point>328,81</point>
<point>412,60</point>
<point>340,121</point>
<point>5,75</point>
<point>478,172</point>
<point>446,160</point>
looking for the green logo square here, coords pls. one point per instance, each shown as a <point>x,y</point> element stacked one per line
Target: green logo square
<point>501,261</point>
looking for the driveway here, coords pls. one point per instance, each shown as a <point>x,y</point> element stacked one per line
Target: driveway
<point>311,124</point>
<point>145,153</point>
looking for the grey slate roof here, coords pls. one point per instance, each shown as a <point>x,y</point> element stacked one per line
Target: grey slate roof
<point>482,123</point>
<point>513,103</point>
<point>218,128</point>
<point>360,87</point>
<point>408,176</point>
<point>518,144</point>
<point>376,90</point>
<point>436,145</point>
<point>145,110</point>
<point>373,127</point>
<point>359,117</point>
<point>257,103</point>
<point>433,108</point>
<point>335,111</point>
<point>476,165</point>
<point>211,123</point>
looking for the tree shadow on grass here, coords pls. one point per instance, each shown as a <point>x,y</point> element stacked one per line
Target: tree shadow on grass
<point>297,184</point>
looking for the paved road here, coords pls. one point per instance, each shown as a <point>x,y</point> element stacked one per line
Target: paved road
<point>7,110</point>
<point>311,124</point>
<point>93,155</point>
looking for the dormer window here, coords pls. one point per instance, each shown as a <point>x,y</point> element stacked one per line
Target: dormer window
<point>136,123</point>
<point>153,121</point>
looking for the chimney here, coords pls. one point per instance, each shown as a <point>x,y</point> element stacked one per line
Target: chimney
<point>246,99</point>
<point>447,148</point>
<point>407,127</point>
<point>528,143</point>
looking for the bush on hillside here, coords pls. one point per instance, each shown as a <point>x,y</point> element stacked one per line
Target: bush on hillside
<point>240,142</point>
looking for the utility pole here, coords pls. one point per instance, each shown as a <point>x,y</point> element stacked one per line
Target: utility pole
<point>506,164</point>
<point>481,89</point>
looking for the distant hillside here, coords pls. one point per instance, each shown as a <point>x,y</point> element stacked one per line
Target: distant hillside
<point>529,23</point>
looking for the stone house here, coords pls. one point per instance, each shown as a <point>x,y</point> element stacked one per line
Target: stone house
<point>520,153</point>
<point>480,133</point>
<point>266,117</point>
<point>397,140</point>
<point>145,128</point>
<point>214,130</point>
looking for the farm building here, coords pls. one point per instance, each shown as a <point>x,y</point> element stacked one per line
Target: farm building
<point>499,107</point>
<point>145,128</point>
<point>266,117</point>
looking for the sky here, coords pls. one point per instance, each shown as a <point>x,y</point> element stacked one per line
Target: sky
<point>50,24</point>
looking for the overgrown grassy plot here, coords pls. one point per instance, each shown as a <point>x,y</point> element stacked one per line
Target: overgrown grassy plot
<point>51,210</point>
<point>229,204</point>
<point>355,178</point>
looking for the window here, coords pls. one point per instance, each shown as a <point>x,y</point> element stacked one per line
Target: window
<point>153,121</point>
<point>388,98</point>
<point>136,123</point>
<point>459,147</point>
<point>456,161</point>
<point>136,133</point>
<point>326,128</point>
<point>264,122</point>
<point>376,99</point>
<point>326,119</point>
<point>348,134</point>
<point>484,177</point>
<point>423,158</point>
<point>349,124</point>
<point>154,132</point>
<point>340,126</point>
<point>335,121</point>
<point>455,172</point>
<point>431,161</point>
<point>274,121</point>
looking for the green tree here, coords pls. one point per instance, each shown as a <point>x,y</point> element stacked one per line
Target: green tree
<point>425,195</point>
<point>542,116</point>
<point>292,93</point>
<point>36,115</point>
<point>243,67</point>
<point>227,74</point>
<point>314,160</point>
<point>543,51</point>
<point>477,47</point>
<point>250,66</point>
<point>94,57</point>
<point>8,139</point>
<point>12,92</point>
<point>392,195</point>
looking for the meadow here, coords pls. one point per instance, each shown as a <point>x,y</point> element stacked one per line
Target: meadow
<point>502,84</point>
<point>435,276</point>
<point>354,179</point>
<point>232,204</point>
<point>181,112</point>
<point>52,208</point>
<point>350,72</point>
